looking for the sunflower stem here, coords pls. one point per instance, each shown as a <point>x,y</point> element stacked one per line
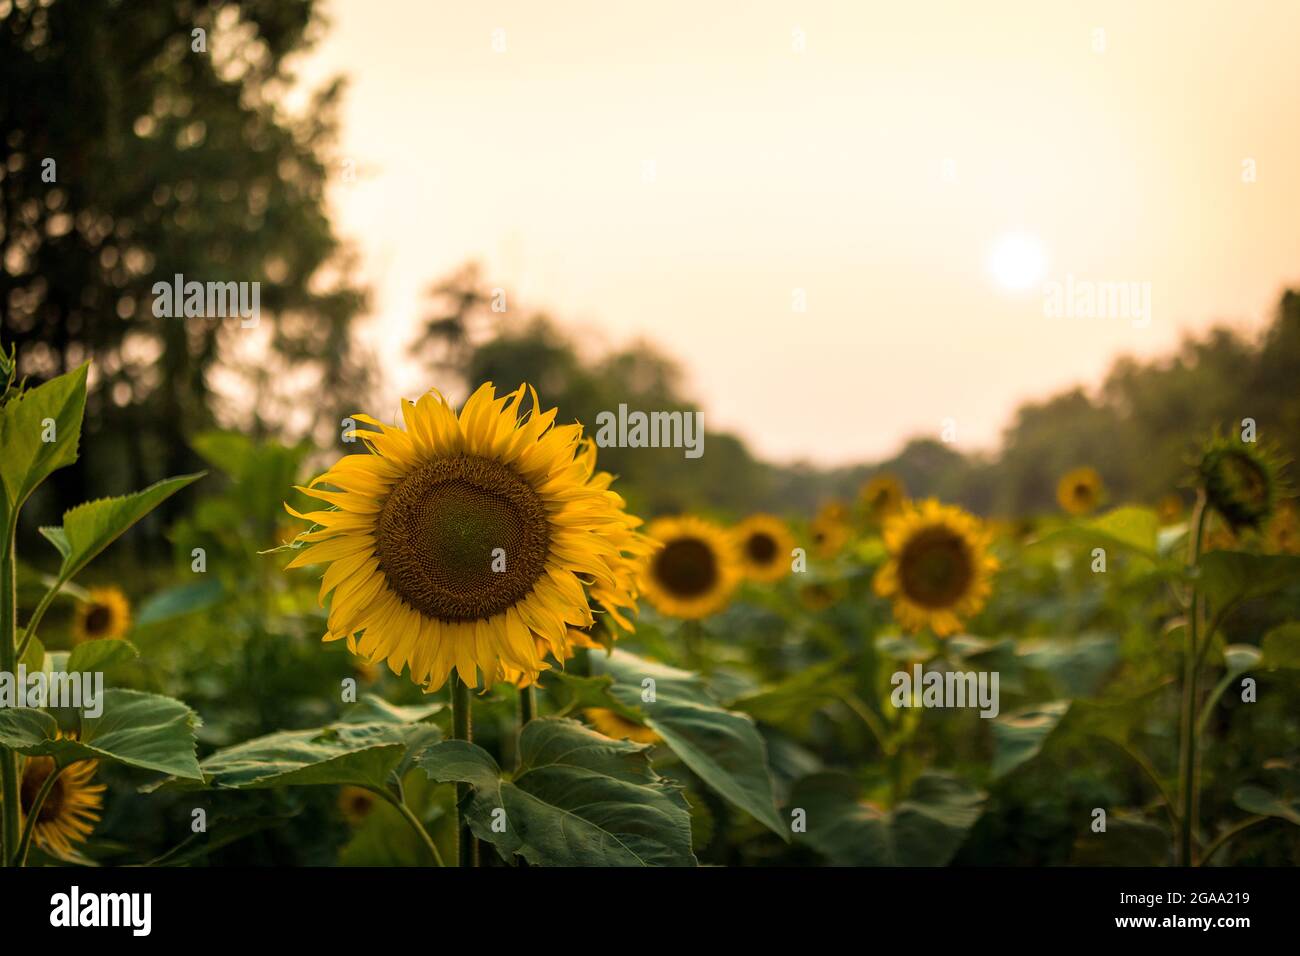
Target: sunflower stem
<point>1187,725</point>
<point>462,729</point>
<point>33,815</point>
<point>399,802</point>
<point>9,665</point>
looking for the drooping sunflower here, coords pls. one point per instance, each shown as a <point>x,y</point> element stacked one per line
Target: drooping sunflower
<point>470,543</point>
<point>694,572</point>
<point>939,569</point>
<point>1242,481</point>
<point>763,544</point>
<point>617,727</point>
<point>71,808</point>
<point>356,803</point>
<point>106,613</point>
<point>1080,490</point>
<point>882,497</point>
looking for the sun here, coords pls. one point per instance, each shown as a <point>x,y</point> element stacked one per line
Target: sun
<point>1018,261</point>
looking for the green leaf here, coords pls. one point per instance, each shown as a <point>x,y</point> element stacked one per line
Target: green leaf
<point>34,656</point>
<point>1127,841</point>
<point>577,799</point>
<point>1281,647</point>
<point>91,527</point>
<point>1254,799</point>
<point>1130,528</point>
<point>792,702</point>
<point>926,829</point>
<point>1019,737</point>
<point>99,655</point>
<point>1239,658</point>
<point>366,753</point>
<point>720,746</point>
<point>181,600</point>
<point>142,730</point>
<point>1238,575</point>
<point>28,459</point>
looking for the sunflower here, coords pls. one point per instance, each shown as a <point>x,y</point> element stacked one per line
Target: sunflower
<point>106,613</point>
<point>1079,491</point>
<point>355,803</point>
<point>1283,533</point>
<point>819,595</point>
<point>694,573</point>
<point>939,568</point>
<point>617,727</point>
<point>1242,481</point>
<point>71,808</point>
<point>763,544</point>
<point>882,497</point>
<point>828,537</point>
<point>470,543</point>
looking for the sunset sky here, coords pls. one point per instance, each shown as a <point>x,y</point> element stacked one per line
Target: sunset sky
<point>679,171</point>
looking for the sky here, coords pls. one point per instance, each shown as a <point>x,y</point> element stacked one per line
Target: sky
<point>852,223</point>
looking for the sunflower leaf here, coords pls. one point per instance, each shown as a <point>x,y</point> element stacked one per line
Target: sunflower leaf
<point>722,747</point>
<point>1019,737</point>
<point>40,432</point>
<point>1237,575</point>
<point>925,829</point>
<point>365,753</point>
<point>89,528</point>
<point>142,730</point>
<point>577,799</point>
<point>91,656</point>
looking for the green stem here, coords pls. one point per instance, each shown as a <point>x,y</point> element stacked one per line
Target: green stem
<point>1227,835</point>
<point>527,705</point>
<point>30,631</point>
<point>8,664</point>
<point>462,729</point>
<point>34,814</point>
<point>1187,735</point>
<point>415,823</point>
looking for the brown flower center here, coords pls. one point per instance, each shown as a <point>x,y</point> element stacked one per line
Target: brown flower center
<point>463,538</point>
<point>761,547</point>
<point>98,619</point>
<point>686,567</point>
<point>35,773</point>
<point>935,568</point>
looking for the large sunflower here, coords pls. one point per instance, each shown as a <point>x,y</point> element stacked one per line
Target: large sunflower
<point>1080,490</point>
<point>71,808</point>
<point>471,542</point>
<point>939,568</point>
<point>104,614</point>
<point>882,497</point>
<point>763,545</point>
<point>694,572</point>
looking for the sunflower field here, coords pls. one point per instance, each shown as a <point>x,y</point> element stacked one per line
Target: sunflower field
<point>455,645</point>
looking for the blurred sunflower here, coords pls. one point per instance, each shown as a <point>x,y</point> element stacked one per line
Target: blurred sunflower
<point>71,808</point>
<point>882,497</point>
<point>763,544</point>
<point>939,568</point>
<point>819,595</point>
<point>1242,481</point>
<point>355,803</point>
<point>1079,491</point>
<point>472,542</point>
<point>829,535</point>
<point>617,727</point>
<point>1283,533</point>
<point>106,613</point>
<point>696,570</point>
